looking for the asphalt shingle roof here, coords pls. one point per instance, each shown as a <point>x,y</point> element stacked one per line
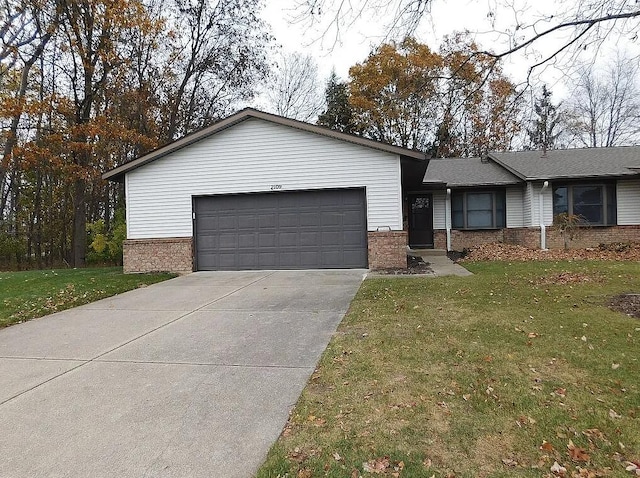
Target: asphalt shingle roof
<point>463,172</point>
<point>572,163</point>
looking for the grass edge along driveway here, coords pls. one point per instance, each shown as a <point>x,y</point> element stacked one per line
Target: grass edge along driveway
<point>519,370</point>
<point>31,294</point>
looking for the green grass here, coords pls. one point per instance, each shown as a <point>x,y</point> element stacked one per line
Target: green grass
<point>31,294</point>
<point>468,377</point>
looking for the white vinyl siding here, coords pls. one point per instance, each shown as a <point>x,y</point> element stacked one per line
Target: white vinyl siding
<point>515,206</point>
<point>527,205</point>
<point>628,199</point>
<point>258,156</point>
<point>439,209</point>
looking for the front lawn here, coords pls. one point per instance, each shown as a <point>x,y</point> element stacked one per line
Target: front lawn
<point>31,294</point>
<point>519,370</point>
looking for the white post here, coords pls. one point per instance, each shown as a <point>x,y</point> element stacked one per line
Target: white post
<point>543,231</point>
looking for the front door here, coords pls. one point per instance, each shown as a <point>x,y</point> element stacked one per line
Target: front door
<point>421,220</point>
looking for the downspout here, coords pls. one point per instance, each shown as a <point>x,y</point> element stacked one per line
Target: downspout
<point>543,231</point>
<point>447,218</point>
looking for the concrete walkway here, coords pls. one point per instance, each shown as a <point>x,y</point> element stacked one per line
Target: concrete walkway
<point>441,266</point>
<point>193,377</point>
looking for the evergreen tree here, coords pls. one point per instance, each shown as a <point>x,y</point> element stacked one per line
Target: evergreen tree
<point>546,128</point>
<point>338,114</point>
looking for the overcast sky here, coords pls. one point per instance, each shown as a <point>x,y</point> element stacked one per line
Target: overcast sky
<point>446,17</point>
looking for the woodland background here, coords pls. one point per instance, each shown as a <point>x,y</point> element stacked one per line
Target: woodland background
<point>87,85</point>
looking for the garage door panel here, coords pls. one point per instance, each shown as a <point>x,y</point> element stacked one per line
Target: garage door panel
<point>353,217</point>
<point>247,240</point>
<point>309,238</point>
<point>351,238</point>
<point>227,241</point>
<point>288,219</point>
<point>267,220</point>
<point>287,230</point>
<point>247,221</point>
<point>229,222</point>
<point>267,240</point>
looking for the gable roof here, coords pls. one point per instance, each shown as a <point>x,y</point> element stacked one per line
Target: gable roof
<point>467,172</point>
<point>571,163</point>
<point>249,113</point>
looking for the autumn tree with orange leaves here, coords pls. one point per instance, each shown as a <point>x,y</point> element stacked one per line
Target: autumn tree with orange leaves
<point>86,85</point>
<point>455,102</point>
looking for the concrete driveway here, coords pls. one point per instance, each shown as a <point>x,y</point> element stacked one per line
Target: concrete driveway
<point>193,377</point>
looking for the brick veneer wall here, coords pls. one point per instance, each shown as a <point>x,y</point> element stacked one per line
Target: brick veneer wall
<point>530,237</point>
<point>158,255</point>
<point>592,236</point>
<point>387,250</point>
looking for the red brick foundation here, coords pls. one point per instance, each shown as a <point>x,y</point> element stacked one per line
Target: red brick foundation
<point>158,255</point>
<point>530,237</point>
<point>387,250</point>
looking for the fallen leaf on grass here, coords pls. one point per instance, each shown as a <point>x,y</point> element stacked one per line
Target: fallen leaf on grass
<point>546,446</point>
<point>577,453</point>
<point>509,462</point>
<point>633,467</point>
<point>561,392</point>
<point>593,433</point>
<point>558,469</point>
<point>524,420</point>
<point>615,366</point>
<point>614,414</point>
<point>298,455</point>
<point>318,422</point>
<point>377,465</point>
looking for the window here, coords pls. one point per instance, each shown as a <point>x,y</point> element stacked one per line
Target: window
<point>594,203</point>
<point>478,210</point>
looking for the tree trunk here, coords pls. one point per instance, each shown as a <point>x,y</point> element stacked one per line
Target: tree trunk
<point>79,241</point>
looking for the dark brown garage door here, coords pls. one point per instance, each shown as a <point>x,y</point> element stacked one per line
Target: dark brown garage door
<point>282,230</point>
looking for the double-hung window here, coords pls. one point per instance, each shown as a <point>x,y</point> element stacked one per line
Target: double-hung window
<point>595,204</point>
<point>478,209</point>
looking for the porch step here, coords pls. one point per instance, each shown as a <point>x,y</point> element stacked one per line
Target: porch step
<point>427,252</point>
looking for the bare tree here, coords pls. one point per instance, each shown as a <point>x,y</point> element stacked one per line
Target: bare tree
<point>217,54</point>
<point>295,91</point>
<point>604,109</point>
<point>573,25</point>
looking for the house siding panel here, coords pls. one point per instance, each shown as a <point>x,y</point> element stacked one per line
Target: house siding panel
<point>515,207</point>
<point>255,156</point>
<point>628,199</point>
<point>527,205</point>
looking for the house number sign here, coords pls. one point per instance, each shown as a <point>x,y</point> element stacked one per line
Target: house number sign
<point>275,187</point>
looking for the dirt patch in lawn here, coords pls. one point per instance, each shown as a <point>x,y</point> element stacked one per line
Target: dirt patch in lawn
<point>619,251</point>
<point>627,304</point>
<point>415,265</point>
